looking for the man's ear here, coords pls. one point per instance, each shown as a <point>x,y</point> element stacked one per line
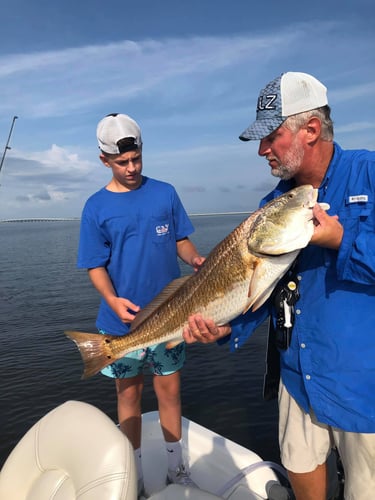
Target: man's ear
<point>313,129</point>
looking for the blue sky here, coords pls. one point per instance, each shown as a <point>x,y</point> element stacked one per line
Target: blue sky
<point>188,72</point>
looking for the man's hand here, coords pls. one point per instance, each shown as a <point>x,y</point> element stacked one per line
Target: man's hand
<point>328,230</point>
<point>204,330</point>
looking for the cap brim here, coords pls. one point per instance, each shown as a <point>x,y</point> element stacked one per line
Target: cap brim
<point>260,129</point>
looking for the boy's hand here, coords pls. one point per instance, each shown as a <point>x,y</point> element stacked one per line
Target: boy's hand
<point>197,262</point>
<point>124,308</point>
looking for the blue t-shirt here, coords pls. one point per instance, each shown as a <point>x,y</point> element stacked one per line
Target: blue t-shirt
<point>133,235</point>
<point>330,364</point>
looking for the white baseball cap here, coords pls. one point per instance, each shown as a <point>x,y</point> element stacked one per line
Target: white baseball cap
<point>114,127</point>
<point>288,94</point>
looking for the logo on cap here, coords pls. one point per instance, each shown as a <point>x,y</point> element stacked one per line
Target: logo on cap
<point>266,102</point>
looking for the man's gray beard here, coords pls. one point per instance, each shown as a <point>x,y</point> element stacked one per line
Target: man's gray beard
<point>283,172</point>
<point>292,160</point>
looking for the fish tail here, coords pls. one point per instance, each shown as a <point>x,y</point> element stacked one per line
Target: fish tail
<point>95,350</point>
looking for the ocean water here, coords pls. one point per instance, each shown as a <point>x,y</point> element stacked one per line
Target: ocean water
<point>42,294</point>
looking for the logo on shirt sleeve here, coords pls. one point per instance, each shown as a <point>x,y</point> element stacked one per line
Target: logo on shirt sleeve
<point>359,198</point>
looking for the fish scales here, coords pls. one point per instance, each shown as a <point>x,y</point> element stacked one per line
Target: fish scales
<point>239,273</point>
<point>199,292</point>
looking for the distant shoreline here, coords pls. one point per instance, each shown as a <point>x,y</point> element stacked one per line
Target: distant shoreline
<point>62,219</point>
<point>41,219</point>
<point>220,213</point>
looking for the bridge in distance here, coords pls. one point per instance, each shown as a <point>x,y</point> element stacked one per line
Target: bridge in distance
<point>41,219</point>
<point>59,219</point>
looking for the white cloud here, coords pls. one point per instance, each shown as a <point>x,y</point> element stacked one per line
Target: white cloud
<point>355,127</point>
<point>56,83</point>
<point>45,182</point>
<point>192,97</point>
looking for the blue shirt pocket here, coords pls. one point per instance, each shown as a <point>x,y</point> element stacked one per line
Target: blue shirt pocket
<point>162,229</point>
<point>358,213</point>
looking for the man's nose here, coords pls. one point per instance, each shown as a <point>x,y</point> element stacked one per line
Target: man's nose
<point>264,147</point>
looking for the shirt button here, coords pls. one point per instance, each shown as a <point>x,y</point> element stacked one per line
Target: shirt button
<point>308,377</point>
<point>236,346</point>
<point>303,346</point>
<point>236,339</point>
<point>298,311</point>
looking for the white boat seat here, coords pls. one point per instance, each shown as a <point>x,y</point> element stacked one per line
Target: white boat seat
<point>75,451</point>
<point>178,492</point>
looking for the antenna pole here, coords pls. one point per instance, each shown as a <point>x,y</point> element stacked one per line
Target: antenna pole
<point>7,144</point>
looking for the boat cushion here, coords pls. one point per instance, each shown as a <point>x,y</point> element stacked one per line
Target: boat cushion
<point>73,451</point>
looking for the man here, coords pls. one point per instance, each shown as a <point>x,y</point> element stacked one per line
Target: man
<point>132,231</point>
<point>327,361</point>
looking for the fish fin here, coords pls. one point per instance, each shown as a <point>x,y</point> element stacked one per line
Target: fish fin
<point>246,308</point>
<point>165,294</point>
<point>172,343</point>
<point>95,350</point>
<point>258,296</point>
<point>260,300</point>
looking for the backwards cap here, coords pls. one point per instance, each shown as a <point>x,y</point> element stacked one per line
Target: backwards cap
<point>288,94</point>
<point>113,128</point>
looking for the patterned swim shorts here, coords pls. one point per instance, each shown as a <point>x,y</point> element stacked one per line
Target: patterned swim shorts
<point>156,358</point>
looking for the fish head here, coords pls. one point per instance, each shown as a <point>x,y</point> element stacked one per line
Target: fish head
<point>284,224</point>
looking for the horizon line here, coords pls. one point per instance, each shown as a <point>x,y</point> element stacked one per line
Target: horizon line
<point>61,219</point>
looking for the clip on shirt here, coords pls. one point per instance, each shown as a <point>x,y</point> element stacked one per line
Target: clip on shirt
<point>285,296</point>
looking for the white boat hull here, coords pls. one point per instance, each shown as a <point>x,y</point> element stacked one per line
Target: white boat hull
<point>215,462</point>
<point>76,451</point>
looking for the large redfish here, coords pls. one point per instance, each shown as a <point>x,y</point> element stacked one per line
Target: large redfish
<point>239,273</point>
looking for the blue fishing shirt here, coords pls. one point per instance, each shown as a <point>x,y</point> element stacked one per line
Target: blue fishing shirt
<point>133,235</point>
<point>330,364</point>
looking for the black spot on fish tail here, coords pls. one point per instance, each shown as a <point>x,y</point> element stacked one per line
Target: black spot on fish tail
<point>95,350</point>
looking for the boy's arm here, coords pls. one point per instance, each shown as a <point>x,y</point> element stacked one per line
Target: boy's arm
<point>187,251</point>
<point>124,308</point>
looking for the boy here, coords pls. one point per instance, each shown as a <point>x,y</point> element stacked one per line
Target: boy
<point>132,232</point>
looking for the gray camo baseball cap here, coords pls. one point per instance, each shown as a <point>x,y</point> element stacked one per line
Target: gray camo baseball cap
<point>288,94</point>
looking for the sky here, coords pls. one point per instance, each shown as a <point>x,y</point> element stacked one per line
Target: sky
<point>188,72</point>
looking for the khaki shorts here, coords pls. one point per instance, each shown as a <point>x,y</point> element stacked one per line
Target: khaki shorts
<point>306,443</point>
